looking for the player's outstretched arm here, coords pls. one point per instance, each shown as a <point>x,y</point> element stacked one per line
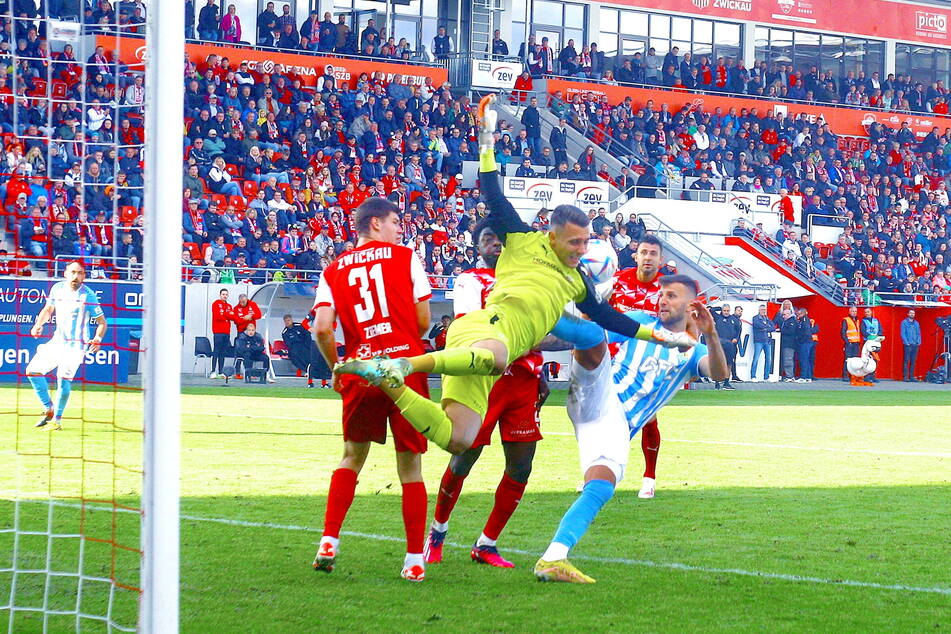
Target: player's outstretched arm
<point>502,218</point>
<point>617,322</point>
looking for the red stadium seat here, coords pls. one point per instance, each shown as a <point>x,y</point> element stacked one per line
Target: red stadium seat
<point>238,203</point>
<point>250,189</point>
<point>127,215</point>
<point>39,88</point>
<point>231,169</point>
<point>221,200</point>
<point>59,89</point>
<point>277,347</point>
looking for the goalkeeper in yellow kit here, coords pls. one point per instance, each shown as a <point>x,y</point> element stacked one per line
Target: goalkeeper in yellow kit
<point>536,276</point>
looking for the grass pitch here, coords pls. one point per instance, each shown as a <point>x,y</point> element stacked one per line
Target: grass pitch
<point>775,511</point>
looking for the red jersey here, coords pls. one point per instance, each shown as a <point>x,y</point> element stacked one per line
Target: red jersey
<point>222,316</point>
<point>369,287</point>
<point>632,294</point>
<point>469,293</point>
<point>247,314</point>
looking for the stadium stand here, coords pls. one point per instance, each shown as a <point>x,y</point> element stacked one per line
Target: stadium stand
<point>274,168</point>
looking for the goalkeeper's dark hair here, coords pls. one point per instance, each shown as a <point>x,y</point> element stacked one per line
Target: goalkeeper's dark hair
<point>564,214</point>
<point>686,280</point>
<point>650,238</point>
<point>372,208</point>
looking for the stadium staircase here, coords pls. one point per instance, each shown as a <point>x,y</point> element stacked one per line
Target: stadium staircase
<point>717,279</point>
<point>821,284</point>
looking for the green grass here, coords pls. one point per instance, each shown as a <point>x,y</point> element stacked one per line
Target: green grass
<point>848,494</point>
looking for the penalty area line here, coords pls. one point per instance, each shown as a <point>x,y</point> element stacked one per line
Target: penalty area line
<point>606,560</point>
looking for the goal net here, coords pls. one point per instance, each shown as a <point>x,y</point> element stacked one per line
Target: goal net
<point>81,544</point>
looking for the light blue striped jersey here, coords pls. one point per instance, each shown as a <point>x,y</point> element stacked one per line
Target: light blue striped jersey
<point>73,309</point>
<point>647,375</point>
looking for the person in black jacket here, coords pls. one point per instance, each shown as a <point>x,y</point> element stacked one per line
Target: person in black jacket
<point>558,139</point>
<point>249,348</point>
<point>303,353</point>
<point>208,19</point>
<point>788,325</point>
<point>728,332</point>
<point>533,126</point>
<point>807,336</point>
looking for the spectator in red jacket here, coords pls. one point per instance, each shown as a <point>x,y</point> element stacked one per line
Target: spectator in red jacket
<point>222,318</point>
<point>246,312</point>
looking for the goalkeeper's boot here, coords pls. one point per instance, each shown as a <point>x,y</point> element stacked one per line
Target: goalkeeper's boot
<point>671,339</point>
<point>488,121</point>
<point>326,557</point>
<point>432,552</point>
<point>381,371</point>
<point>414,572</point>
<point>561,570</point>
<point>47,417</point>
<point>489,555</point>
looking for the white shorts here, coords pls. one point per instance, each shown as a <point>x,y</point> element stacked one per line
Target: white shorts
<point>600,424</point>
<point>53,355</point>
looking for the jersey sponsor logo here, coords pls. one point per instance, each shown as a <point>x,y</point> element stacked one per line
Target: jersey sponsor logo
<point>369,332</point>
<point>365,255</point>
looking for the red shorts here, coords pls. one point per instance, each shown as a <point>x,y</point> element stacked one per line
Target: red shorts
<point>513,405</point>
<point>366,410</point>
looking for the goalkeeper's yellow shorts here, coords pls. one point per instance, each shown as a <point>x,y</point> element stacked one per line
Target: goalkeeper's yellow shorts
<point>473,390</point>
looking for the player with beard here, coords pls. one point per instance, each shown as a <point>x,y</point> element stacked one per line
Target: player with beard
<point>514,405</point>
<point>610,400</point>
<point>639,289</point>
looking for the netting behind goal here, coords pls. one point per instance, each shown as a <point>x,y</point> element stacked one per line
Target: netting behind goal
<point>71,500</point>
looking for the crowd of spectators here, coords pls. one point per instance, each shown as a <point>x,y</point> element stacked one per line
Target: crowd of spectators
<point>778,81</point>
<point>216,22</point>
<point>273,170</point>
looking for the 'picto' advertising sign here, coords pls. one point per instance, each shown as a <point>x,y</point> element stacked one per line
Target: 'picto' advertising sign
<point>489,74</point>
<point>21,302</point>
<point>551,192</point>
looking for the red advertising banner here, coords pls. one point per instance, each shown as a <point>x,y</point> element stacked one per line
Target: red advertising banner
<point>308,67</point>
<point>843,121</point>
<point>907,21</point>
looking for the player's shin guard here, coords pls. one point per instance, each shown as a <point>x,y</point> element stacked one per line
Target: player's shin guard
<point>414,516</point>
<point>576,521</point>
<point>426,417</point>
<point>650,445</point>
<point>507,496</point>
<point>343,484</point>
<point>63,389</point>
<point>463,361</point>
<point>42,388</point>
<point>449,489</point>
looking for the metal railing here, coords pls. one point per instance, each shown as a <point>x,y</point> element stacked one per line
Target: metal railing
<point>681,90</point>
<point>706,261</point>
<point>859,296</point>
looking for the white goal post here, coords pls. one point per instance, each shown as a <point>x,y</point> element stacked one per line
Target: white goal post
<point>165,42</point>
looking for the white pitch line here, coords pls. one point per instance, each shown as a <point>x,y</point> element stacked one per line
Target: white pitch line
<point>646,563</point>
<point>607,560</point>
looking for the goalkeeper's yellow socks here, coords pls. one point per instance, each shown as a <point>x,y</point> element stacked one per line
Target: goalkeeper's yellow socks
<point>463,361</point>
<point>426,417</point>
<point>487,159</point>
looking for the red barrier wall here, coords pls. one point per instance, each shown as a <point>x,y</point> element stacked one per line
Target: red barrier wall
<point>830,352</point>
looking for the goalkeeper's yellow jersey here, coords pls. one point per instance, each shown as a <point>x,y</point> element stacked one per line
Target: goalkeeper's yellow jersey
<point>532,288</point>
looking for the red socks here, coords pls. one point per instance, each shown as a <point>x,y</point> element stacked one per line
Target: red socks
<point>507,496</point>
<point>414,515</point>
<point>343,483</point>
<point>449,489</point>
<point>650,444</point>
